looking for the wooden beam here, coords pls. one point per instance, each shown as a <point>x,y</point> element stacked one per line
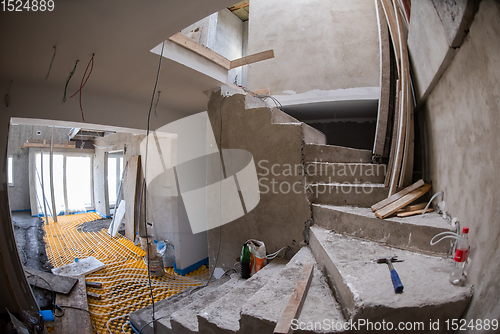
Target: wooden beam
<point>402,202</point>
<point>200,49</point>
<point>92,284</point>
<point>397,196</point>
<point>238,7</point>
<point>75,319</point>
<point>45,145</point>
<point>296,302</point>
<point>256,57</point>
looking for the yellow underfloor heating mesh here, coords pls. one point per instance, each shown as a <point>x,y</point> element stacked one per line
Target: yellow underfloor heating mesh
<point>125,287</point>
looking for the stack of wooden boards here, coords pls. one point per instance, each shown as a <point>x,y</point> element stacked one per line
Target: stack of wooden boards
<point>399,203</point>
<point>400,167</point>
<point>70,295</point>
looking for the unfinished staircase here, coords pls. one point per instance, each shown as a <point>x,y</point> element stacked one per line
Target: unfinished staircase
<point>348,286</point>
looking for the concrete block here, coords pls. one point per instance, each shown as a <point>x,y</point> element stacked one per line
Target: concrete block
<point>364,287</point>
<point>312,135</point>
<point>223,315</point>
<point>412,233</point>
<point>185,320</point>
<point>361,194</point>
<point>324,172</point>
<point>331,153</point>
<point>263,310</point>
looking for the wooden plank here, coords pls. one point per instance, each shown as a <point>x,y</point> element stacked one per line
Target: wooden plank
<point>238,7</point>
<point>74,320</point>
<point>70,145</point>
<point>292,310</point>
<point>385,83</point>
<point>403,75</point>
<point>416,206</point>
<point>131,195</point>
<point>91,284</point>
<point>402,202</point>
<point>51,177</point>
<point>262,91</point>
<point>94,295</point>
<point>397,196</point>
<point>390,16</point>
<point>390,166</point>
<point>414,212</point>
<point>48,281</point>
<point>256,57</point>
<point>200,49</point>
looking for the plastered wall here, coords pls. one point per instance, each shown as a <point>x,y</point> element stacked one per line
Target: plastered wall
<point>318,45</point>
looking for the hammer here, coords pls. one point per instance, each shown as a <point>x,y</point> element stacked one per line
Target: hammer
<point>398,286</point>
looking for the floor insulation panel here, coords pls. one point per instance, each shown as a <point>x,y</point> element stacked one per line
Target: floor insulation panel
<point>125,284</point>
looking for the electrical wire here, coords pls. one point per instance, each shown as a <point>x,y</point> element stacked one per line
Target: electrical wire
<point>84,82</point>
<point>432,198</point>
<point>67,81</point>
<point>51,62</point>
<point>145,177</point>
<point>157,100</point>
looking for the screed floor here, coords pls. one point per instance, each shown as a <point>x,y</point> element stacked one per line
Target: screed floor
<point>125,286</point>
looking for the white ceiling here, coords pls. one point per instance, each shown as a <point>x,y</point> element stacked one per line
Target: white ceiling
<point>121,34</point>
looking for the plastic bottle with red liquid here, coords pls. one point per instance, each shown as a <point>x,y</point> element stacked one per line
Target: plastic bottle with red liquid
<point>457,273</point>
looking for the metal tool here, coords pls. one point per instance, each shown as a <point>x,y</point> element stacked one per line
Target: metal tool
<point>398,286</point>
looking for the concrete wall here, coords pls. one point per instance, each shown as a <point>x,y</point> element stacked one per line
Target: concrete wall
<point>280,216</point>
<point>19,194</point>
<point>318,45</point>
<point>463,120</point>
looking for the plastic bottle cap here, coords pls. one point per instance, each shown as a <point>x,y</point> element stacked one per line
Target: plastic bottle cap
<point>465,230</point>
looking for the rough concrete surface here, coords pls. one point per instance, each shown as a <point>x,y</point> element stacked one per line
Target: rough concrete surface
<point>28,232</point>
<point>185,320</point>
<point>330,153</point>
<point>413,233</point>
<point>352,194</point>
<point>364,287</point>
<point>462,121</point>
<point>427,44</point>
<point>263,310</point>
<point>223,315</point>
<point>278,220</point>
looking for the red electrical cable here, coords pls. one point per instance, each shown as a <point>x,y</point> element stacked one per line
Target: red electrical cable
<point>84,82</point>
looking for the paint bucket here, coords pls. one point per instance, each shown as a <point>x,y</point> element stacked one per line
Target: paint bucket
<point>156,266</point>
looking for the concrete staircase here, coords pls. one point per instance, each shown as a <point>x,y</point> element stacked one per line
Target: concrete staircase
<point>345,238</point>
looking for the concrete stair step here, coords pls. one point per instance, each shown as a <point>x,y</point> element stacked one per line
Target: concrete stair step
<point>331,153</point>
<point>185,320</point>
<point>141,319</point>
<point>364,288</point>
<point>262,311</point>
<point>412,233</point>
<point>340,172</point>
<point>223,315</point>
<point>310,134</point>
<point>362,194</point>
